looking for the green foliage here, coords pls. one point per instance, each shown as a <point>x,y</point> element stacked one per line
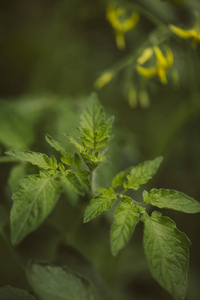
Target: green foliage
<point>39,159</point>
<point>36,195</point>
<point>76,181</point>
<point>120,178</point>
<point>166,248</point>
<point>95,132</point>
<point>15,131</point>
<point>167,253</point>
<point>51,282</point>
<point>11,293</point>
<point>142,173</point>
<point>172,199</point>
<point>151,84</point>
<point>104,199</point>
<point>17,172</point>
<point>66,157</point>
<point>34,199</point>
<point>126,218</point>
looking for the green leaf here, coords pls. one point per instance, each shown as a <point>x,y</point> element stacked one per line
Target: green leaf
<point>95,131</point>
<point>93,125</point>
<point>103,137</point>
<point>101,202</point>
<point>15,130</point>
<point>58,283</point>
<point>167,253</point>
<point>98,137</point>
<point>34,199</point>
<point>76,181</point>
<point>126,218</point>
<point>93,116</point>
<point>77,161</point>
<point>93,161</point>
<point>11,293</point>
<point>120,178</point>
<point>66,157</point>
<point>16,173</point>
<point>142,173</point>
<point>79,147</point>
<point>172,199</point>
<point>39,159</point>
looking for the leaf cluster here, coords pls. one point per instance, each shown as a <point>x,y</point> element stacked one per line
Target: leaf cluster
<point>51,282</point>
<point>36,195</point>
<point>95,132</point>
<point>166,248</point>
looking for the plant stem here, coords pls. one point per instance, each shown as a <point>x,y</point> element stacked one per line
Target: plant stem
<point>92,183</point>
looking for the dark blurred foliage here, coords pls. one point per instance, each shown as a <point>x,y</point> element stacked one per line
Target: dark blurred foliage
<point>50,56</point>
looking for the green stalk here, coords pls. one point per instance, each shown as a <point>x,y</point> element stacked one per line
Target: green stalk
<point>92,183</point>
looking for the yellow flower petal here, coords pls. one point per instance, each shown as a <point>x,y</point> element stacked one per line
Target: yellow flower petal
<point>112,16</point>
<point>161,60</point>
<point>162,75</point>
<point>131,22</point>
<point>120,39</point>
<point>185,34</point>
<point>162,64</point>
<point>120,24</point>
<point>104,79</point>
<point>170,57</point>
<point>145,56</point>
<point>147,72</point>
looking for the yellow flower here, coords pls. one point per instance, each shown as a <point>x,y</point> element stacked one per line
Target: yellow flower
<point>162,64</point>
<point>145,56</point>
<point>187,34</point>
<point>103,79</point>
<point>120,24</point>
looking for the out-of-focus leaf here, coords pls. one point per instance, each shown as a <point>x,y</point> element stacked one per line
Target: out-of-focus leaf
<point>16,173</point>
<point>58,283</point>
<point>15,131</point>
<point>11,293</point>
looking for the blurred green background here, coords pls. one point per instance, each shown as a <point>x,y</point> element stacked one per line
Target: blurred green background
<point>50,56</point>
